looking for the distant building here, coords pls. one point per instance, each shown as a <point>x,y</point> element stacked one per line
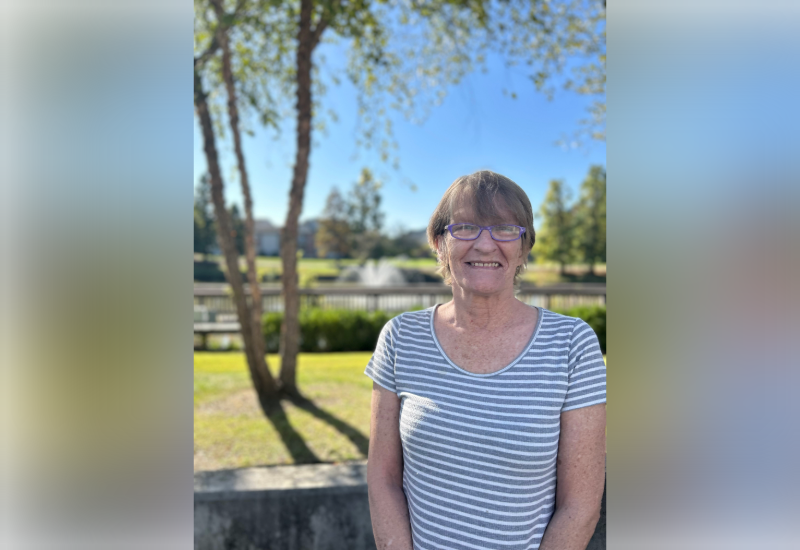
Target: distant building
<point>268,238</point>
<point>307,237</point>
<point>420,236</point>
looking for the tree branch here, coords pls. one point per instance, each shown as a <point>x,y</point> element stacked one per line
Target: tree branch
<point>201,59</point>
<point>316,34</point>
<point>214,45</point>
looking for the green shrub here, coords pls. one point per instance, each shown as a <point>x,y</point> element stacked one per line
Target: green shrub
<point>271,327</point>
<point>210,272</point>
<point>329,329</point>
<point>356,330</point>
<point>595,316</point>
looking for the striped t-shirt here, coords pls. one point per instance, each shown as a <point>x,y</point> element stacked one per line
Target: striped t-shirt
<point>479,450</point>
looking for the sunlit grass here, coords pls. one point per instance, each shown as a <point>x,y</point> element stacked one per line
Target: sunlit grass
<point>231,431</point>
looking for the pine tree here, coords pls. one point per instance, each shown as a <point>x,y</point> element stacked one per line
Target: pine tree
<point>238,228</point>
<point>205,233</point>
<point>365,216</point>
<point>555,237</point>
<point>590,218</point>
<point>333,234</point>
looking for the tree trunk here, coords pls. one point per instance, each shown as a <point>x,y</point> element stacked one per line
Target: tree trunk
<point>307,38</point>
<point>249,224</point>
<point>263,382</point>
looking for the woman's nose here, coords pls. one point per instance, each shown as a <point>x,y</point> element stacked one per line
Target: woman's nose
<point>485,240</point>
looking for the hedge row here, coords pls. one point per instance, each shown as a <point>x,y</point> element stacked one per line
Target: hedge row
<point>353,330</point>
<point>329,329</point>
<point>210,272</point>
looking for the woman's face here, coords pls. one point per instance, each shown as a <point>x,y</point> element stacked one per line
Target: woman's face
<point>483,266</point>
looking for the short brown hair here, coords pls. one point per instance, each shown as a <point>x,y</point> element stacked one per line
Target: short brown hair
<point>480,193</point>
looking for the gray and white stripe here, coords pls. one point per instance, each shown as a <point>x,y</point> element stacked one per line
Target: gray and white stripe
<point>480,450</point>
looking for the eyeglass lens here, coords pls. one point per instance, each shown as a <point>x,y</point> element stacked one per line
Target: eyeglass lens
<point>468,231</point>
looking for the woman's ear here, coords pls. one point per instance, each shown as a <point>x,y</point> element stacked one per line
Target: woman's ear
<point>439,249</point>
<point>523,256</point>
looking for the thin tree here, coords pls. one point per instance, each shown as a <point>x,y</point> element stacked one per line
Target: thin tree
<point>249,225</point>
<point>308,36</point>
<point>350,19</point>
<point>263,382</point>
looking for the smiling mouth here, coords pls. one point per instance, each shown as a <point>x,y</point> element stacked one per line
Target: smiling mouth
<point>483,264</point>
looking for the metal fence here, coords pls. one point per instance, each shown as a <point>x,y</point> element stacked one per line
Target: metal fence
<point>219,299</point>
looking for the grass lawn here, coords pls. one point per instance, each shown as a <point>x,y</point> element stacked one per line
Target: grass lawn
<point>230,430</point>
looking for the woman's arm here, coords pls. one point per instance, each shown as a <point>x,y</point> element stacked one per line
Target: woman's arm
<point>387,501</point>
<point>580,479</point>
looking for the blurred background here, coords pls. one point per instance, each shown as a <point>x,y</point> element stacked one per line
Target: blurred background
<point>324,140</point>
<point>105,406</point>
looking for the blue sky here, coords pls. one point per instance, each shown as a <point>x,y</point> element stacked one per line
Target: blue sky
<point>476,127</point>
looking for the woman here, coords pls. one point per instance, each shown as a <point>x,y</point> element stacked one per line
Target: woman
<point>488,415</point>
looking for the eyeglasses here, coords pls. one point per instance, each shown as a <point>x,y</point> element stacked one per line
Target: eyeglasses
<point>470,231</point>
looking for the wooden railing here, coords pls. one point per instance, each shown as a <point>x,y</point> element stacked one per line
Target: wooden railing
<point>217,298</point>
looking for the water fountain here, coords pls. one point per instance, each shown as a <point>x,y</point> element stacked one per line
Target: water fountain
<point>380,273</point>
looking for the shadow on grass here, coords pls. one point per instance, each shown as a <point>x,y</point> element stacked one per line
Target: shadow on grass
<point>358,439</point>
<point>301,453</point>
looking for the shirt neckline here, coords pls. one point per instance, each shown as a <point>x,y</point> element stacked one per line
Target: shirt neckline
<point>487,374</point>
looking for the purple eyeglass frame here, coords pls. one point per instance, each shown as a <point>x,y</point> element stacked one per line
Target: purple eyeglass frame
<point>521,231</point>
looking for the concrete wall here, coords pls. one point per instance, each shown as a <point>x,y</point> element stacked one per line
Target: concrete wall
<point>321,507</point>
<point>331,518</point>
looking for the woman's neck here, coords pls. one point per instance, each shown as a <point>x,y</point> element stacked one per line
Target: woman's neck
<point>470,311</point>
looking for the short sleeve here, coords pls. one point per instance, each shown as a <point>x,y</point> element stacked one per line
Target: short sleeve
<point>586,383</point>
<point>381,366</point>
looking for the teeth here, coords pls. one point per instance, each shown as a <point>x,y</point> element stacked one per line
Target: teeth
<point>486,264</point>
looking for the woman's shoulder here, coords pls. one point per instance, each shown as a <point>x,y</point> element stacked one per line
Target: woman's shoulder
<point>421,318</point>
<point>409,319</point>
<point>559,322</point>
